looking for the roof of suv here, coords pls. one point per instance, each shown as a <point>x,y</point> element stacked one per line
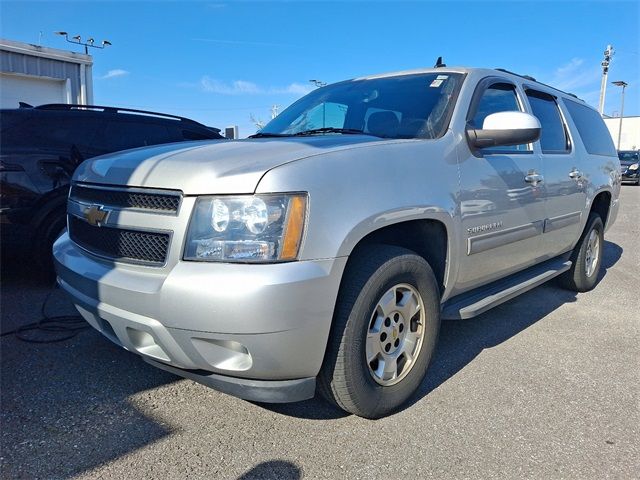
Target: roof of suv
<point>63,107</point>
<point>467,70</point>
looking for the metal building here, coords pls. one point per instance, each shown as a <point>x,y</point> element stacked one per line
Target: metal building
<point>630,135</point>
<point>37,75</point>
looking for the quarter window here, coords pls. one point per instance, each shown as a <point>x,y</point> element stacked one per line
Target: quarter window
<point>553,137</point>
<point>592,130</point>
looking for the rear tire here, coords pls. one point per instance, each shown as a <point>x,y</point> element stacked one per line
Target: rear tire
<point>384,331</point>
<point>50,229</point>
<point>586,258</point>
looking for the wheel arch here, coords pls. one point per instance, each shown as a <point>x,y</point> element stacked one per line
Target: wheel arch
<point>429,238</point>
<point>601,204</point>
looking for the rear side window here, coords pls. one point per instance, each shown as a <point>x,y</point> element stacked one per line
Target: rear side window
<point>124,135</point>
<point>553,137</point>
<point>53,131</point>
<point>593,132</point>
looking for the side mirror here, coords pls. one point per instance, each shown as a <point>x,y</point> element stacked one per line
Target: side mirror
<point>505,128</point>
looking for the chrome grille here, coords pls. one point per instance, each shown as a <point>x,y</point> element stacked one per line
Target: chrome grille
<point>127,198</point>
<point>120,244</point>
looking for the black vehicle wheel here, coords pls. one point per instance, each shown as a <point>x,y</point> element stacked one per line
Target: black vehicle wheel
<point>586,258</point>
<point>385,329</point>
<point>51,228</point>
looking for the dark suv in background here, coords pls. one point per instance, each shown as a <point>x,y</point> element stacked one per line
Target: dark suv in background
<point>629,160</point>
<point>40,148</point>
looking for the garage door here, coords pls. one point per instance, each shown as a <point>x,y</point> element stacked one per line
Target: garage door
<point>31,90</point>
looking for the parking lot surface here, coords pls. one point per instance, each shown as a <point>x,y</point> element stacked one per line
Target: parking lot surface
<point>544,386</point>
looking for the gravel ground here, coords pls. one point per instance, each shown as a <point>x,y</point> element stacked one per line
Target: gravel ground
<point>545,386</point>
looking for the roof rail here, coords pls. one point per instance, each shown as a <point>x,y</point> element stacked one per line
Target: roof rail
<point>528,77</point>
<point>66,106</point>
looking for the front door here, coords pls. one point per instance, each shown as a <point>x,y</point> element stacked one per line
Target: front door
<point>501,198</point>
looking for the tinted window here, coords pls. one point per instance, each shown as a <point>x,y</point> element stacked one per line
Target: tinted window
<point>593,132</point>
<point>124,135</point>
<point>499,97</point>
<point>553,137</point>
<point>628,156</point>
<point>52,131</point>
<point>391,107</point>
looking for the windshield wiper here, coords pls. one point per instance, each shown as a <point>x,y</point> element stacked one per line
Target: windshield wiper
<point>269,135</point>
<point>347,131</point>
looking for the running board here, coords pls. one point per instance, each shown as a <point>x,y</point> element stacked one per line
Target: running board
<point>477,301</point>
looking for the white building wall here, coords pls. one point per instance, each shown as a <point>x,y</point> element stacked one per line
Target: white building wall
<point>37,75</point>
<point>630,138</point>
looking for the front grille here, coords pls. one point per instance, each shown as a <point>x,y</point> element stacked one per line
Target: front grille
<point>164,202</point>
<point>120,244</point>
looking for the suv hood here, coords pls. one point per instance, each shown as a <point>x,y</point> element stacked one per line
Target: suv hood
<point>200,168</point>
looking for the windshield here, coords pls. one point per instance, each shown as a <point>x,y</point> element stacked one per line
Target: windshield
<point>407,106</point>
<point>628,156</point>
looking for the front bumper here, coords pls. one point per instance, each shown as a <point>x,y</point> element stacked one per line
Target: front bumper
<point>220,324</point>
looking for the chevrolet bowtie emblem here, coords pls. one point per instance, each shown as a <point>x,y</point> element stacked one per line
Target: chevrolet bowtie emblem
<point>95,215</point>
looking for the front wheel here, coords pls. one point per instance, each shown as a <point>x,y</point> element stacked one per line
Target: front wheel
<point>586,258</point>
<point>384,334</point>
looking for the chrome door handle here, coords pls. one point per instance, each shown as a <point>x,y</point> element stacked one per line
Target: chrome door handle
<point>534,178</point>
<point>575,174</point>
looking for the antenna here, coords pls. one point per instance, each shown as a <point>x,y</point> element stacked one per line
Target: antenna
<point>439,63</point>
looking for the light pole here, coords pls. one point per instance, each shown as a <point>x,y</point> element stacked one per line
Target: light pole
<point>89,43</point>
<point>620,83</point>
<point>608,53</point>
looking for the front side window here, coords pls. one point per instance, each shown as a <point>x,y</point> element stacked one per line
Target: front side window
<point>407,106</point>
<point>499,97</point>
<point>553,136</point>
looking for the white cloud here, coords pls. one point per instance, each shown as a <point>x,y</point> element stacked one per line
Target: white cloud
<point>244,87</point>
<point>238,87</point>
<point>575,75</point>
<point>295,89</point>
<point>118,72</point>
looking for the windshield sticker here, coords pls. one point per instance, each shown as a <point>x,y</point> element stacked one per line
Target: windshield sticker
<point>442,77</point>
<point>436,83</point>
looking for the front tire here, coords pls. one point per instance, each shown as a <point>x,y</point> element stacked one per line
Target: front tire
<point>586,258</point>
<point>384,333</point>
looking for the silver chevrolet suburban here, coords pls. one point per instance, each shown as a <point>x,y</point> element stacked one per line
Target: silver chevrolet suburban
<point>324,251</point>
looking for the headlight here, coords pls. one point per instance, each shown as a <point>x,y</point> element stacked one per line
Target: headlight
<point>633,167</point>
<point>247,228</point>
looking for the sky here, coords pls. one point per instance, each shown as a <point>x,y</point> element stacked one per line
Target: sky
<point>223,62</point>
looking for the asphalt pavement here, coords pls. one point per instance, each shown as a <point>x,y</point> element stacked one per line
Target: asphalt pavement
<point>545,386</point>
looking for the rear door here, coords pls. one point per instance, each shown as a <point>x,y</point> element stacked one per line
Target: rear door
<point>501,206</point>
<point>564,185</point>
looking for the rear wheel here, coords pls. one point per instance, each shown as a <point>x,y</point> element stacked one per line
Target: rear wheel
<point>586,258</point>
<point>384,334</point>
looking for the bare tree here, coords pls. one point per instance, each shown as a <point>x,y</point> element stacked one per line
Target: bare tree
<point>259,123</point>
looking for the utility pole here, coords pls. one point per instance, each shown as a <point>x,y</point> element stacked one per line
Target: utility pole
<point>608,53</point>
<point>622,84</point>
